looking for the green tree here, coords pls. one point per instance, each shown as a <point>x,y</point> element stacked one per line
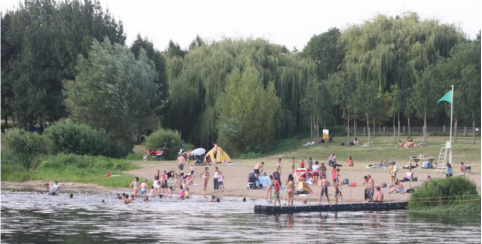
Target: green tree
<point>395,109</point>
<point>160,64</point>
<point>424,98</point>
<point>365,102</point>
<point>326,51</point>
<point>247,113</point>
<point>113,91</point>
<point>49,36</point>
<point>317,105</point>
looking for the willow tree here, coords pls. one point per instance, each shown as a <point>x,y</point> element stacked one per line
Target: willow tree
<point>365,100</point>
<point>247,113</point>
<point>113,91</point>
<point>395,109</point>
<point>198,79</point>
<point>341,88</point>
<point>317,105</point>
<point>396,50</point>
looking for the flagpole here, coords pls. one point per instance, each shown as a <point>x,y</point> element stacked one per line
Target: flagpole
<point>451,118</point>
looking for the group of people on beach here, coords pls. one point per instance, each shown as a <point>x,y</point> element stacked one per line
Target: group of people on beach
<point>317,175</point>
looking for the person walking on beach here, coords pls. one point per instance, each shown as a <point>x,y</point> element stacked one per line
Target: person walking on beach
<point>310,164</point>
<point>278,165</point>
<point>205,176</point>
<point>324,189</point>
<point>276,186</point>
<point>316,173</point>
<point>135,186</point>
<point>290,189</point>
<point>269,190</point>
<point>180,163</point>
<point>393,173</point>
<point>215,179</point>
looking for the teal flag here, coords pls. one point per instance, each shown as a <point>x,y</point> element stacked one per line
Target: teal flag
<point>447,97</point>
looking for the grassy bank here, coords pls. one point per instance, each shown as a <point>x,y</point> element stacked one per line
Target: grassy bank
<point>72,168</point>
<point>453,195</point>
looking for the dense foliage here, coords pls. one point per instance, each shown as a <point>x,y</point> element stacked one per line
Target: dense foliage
<point>165,138</point>
<point>248,113</point>
<point>40,44</point>
<point>455,195</point>
<point>25,146</point>
<point>114,91</point>
<point>81,139</point>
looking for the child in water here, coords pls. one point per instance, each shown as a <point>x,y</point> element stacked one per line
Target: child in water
<point>221,181</point>
<point>169,191</point>
<point>181,193</point>
<point>213,199</point>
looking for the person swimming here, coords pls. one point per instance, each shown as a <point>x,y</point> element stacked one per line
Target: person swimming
<point>213,199</point>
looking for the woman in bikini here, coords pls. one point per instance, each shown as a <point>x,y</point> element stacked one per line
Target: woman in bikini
<point>135,186</point>
<point>290,189</point>
<point>157,183</point>
<point>205,176</point>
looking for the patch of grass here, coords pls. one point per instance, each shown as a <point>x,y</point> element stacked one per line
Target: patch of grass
<point>135,156</point>
<point>453,195</point>
<point>14,172</point>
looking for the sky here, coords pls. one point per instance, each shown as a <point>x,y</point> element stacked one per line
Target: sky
<point>289,23</point>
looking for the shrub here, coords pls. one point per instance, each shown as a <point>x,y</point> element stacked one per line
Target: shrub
<point>25,146</point>
<point>250,155</point>
<point>165,138</point>
<point>12,170</point>
<point>83,140</point>
<point>84,162</point>
<point>449,195</point>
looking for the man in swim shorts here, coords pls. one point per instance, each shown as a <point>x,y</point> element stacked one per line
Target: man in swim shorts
<point>324,189</point>
<point>180,162</point>
<point>258,168</point>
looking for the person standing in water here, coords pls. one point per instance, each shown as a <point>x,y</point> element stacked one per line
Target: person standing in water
<point>135,186</point>
<point>143,187</point>
<point>157,183</point>
<point>205,176</point>
<point>180,163</point>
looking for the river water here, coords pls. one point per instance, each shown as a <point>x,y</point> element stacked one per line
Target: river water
<point>33,217</point>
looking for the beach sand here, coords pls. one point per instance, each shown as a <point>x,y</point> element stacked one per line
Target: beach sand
<point>236,177</point>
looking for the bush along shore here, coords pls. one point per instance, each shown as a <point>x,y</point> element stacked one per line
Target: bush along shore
<point>452,195</point>
<point>69,167</point>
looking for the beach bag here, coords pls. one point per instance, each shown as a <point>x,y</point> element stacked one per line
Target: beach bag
<point>346,181</point>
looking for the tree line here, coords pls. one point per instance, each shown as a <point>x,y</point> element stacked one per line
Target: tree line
<point>69,61</point>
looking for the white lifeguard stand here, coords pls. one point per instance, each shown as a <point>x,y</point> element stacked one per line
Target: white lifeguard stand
<point>442,157</point>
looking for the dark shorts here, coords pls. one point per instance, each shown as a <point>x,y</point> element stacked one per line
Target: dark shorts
<point>181,166</point>
<point>256,171</point>
<point>337,192</point>
<point>220,183</point>
<point>164,184</point>
<point>324,191</point>
<point>276,194</point>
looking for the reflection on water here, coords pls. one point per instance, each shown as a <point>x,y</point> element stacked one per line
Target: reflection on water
<point>30,217</point>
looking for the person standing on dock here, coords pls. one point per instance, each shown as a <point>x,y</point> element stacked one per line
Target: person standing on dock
<point>290,189</point>
<point>276,186</point>
<point>393,173</point>
<point>371,187</point>
<point>324,189</point>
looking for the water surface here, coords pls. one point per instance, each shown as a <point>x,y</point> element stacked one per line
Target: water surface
<point>33,217</point>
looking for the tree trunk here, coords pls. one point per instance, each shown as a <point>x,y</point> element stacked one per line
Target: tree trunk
<point>455,130</point>
<point>408,120</point>
<point>311,126</point>
<point>354,127</point>
<point>394,134</point>
<point>473,128</point>
<point>6,122</point>
<point>368,127</point>
<point>374,127</point>
<point>398,127</point>
<point>348,130</point>
<point>425,127</point>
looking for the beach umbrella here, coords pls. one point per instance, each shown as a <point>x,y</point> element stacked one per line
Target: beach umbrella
<point>198,151</point>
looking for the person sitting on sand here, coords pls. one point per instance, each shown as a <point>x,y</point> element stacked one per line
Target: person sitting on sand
<point>349,162</point>
<point>448,171</point>
<point>408,175</point>
<point>400,144</point>
<point>355,142</point>
<point>378,195</point>
<point>398,188</point>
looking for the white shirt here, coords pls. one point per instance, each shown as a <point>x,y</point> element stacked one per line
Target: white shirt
<point>215,174</point>
<point>315,168</point>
